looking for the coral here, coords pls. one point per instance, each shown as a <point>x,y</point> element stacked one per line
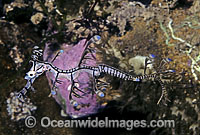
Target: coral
<point>13,44</point>
<point>49,5</point>
<point>190,48</point>
<point>37,6</point>
<point>17,56</point>
<point>19,109</point>
<point>16,3</point>
<point>37,18</point>
<point>128,11</point>
<point>121,49</point>
<point>195,8</point>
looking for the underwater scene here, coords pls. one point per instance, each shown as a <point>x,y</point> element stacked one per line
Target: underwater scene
<point>85,67</point>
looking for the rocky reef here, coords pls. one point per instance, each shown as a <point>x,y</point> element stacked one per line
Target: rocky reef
<point>131,31</point>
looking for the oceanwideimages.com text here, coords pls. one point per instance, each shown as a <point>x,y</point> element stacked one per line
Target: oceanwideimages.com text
<point>99,123</point>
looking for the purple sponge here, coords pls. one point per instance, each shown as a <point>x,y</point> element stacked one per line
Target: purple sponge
<point>68,59</point>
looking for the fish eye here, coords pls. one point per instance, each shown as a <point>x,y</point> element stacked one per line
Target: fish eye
<point>31,73</point>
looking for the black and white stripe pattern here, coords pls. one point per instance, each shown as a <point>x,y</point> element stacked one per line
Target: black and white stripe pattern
<point>36,53</point>
<point>151,76</point>
<point>21,94</point>
<point>114,72</point>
